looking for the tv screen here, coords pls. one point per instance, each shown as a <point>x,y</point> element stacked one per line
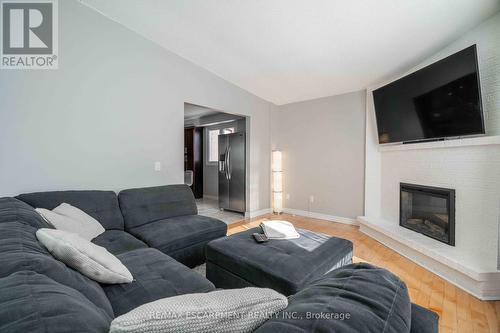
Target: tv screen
<point>439,101</point>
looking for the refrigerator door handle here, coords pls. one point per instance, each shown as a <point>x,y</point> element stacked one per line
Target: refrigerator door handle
<point>226,157</point>
<point>229,162</point>
<point>225,162</point>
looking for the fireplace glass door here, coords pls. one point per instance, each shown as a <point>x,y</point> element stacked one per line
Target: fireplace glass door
<point>429,211</point>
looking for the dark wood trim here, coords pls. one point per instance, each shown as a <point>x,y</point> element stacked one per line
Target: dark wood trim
<point>193,157</point>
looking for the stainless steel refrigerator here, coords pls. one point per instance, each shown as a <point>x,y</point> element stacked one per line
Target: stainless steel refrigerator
<point>232,174</point>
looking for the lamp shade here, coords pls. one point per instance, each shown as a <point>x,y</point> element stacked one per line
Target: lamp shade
<point>277,172</point>
<point>278,202</point>
<point>277,181</point>
<point>276,161</point>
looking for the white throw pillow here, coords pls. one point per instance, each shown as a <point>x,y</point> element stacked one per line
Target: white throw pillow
<point>231,310</point>
<point>62,222</point>
<point>87,230</point>
<point>89,259</point>
<point>92,227</point>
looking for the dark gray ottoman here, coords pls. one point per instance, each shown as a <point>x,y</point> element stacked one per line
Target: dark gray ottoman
<point>286,266</point>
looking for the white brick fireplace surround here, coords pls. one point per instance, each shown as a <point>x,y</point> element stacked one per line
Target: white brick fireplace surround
<point>470,166</point>
<point>474,172</point>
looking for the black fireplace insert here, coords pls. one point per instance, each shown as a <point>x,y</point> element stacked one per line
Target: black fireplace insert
<point>429,211</point>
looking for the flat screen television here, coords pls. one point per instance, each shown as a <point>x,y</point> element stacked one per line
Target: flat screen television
<point>440,101</point>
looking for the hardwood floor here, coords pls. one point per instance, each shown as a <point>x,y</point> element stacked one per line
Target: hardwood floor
<point>458,310</point>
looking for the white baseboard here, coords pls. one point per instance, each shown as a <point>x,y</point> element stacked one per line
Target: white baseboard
<point>321,216</point>
<point>257,213</point>
<point>210,197</point>
<point>304,213</point>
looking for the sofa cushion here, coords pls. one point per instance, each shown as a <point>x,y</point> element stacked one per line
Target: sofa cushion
<point>156,276</point>
<point>21,251</point>
<point>118,241</point>
<point>13,210</point>
<point>101,205</point>
<point>173,234</point>
<point>142,205</point>
<point>31,302</point>
<point>274,264</point>
<point>355,298</point>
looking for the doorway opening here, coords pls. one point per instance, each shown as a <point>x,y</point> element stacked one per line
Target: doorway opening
<point>215,154</point>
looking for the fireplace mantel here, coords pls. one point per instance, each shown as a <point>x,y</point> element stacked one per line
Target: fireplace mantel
<point>463,142</point>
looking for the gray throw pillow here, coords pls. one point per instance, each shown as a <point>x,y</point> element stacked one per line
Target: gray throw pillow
<point>232,310</point>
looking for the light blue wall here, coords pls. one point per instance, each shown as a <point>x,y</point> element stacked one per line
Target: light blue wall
<point>113,108</point>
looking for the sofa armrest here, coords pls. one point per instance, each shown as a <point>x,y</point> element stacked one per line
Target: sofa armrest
<point>355,298</point>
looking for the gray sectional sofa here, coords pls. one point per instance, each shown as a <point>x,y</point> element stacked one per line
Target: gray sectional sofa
<point>157,235</point>
<point>163,217</point>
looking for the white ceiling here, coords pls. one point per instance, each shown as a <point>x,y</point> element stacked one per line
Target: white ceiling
<point>291,50</point>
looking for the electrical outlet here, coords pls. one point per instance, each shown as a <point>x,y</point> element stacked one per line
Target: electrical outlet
<point>157,166</point>
<point>311,198</point>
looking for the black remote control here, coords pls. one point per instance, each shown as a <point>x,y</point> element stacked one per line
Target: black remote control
<point>260,238</point>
